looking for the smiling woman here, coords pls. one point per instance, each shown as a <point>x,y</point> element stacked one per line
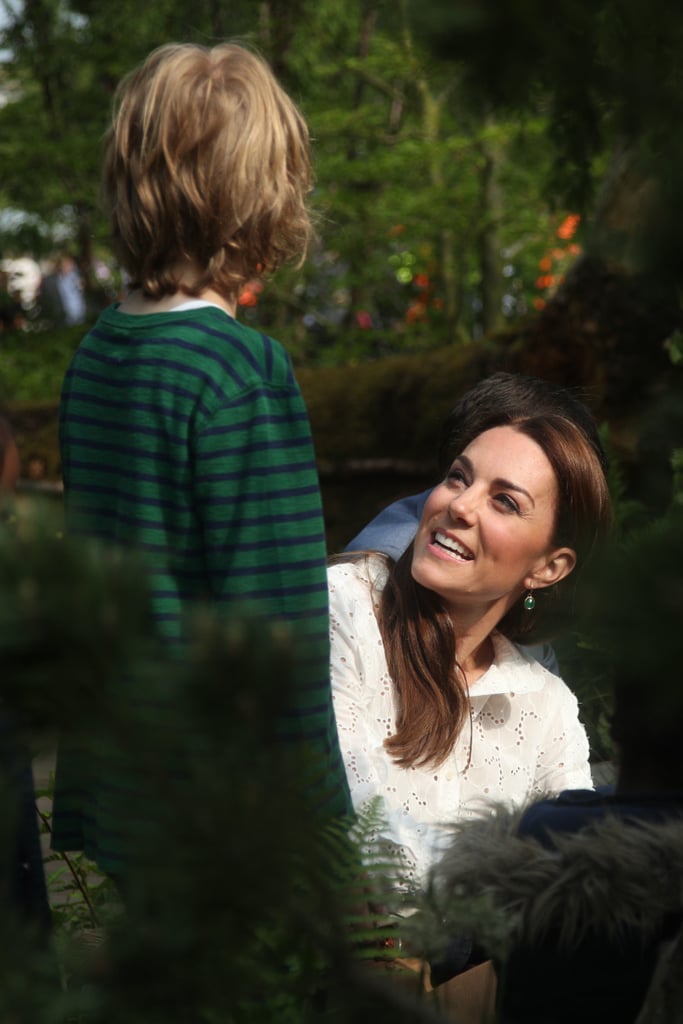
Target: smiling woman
<point>488,526</point>
<point>440,711</point>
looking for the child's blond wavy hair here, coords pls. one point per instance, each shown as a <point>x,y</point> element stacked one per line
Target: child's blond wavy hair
<point>206,171</point>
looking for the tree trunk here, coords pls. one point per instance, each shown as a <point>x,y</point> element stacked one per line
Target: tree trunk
<point>489,243</point>
<point>432,107</point>
<point>84,242</point>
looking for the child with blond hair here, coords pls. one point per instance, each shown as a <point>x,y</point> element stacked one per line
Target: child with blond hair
<point>184,434</point>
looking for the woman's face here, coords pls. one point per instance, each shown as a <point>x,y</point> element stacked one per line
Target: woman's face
<point>486,532</point>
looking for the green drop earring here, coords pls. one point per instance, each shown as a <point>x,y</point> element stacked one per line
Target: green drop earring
<point>529,602</point>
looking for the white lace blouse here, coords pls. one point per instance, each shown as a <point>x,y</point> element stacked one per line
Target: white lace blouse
<point>524,737</point>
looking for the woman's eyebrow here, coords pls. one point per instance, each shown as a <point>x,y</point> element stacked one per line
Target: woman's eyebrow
<point>507,485</point>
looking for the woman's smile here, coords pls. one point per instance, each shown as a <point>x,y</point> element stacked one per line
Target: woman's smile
<point>449,544</point>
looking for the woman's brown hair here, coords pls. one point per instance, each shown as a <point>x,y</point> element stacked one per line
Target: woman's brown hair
<point>206,164</point>
<point>418,631</point>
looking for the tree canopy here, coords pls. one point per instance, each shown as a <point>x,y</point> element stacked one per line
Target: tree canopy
<point>466,153</point>
<point>431,219</point>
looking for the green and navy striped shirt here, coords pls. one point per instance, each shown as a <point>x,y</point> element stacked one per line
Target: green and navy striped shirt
<point>184,435</point>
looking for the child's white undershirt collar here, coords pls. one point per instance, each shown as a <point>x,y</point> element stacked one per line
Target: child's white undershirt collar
<point>195,304</point>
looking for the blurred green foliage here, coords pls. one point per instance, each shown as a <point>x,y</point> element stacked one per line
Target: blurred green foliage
<point>239,903</point>
<point>33,363</point>
<point>432,211</point>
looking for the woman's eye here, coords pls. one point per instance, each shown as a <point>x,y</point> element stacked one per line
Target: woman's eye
<point>509,503</point>
<point>456,475</point>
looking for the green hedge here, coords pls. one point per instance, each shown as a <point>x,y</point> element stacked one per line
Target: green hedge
<point>391,409</point>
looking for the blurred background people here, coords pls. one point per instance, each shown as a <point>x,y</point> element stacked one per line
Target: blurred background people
<point>62,293</point>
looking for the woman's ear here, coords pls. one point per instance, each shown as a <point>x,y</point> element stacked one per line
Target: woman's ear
<point>556,566</point>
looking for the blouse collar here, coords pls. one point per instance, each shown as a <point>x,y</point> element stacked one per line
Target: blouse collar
<point>512,671</point>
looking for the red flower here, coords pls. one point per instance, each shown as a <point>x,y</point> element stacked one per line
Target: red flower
<point>416,312</point>
<point>545,281</point>
<point>249,294</point>
<point>568,226</point>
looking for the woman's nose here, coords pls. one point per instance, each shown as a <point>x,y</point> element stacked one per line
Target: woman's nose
<point>464,504</point>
